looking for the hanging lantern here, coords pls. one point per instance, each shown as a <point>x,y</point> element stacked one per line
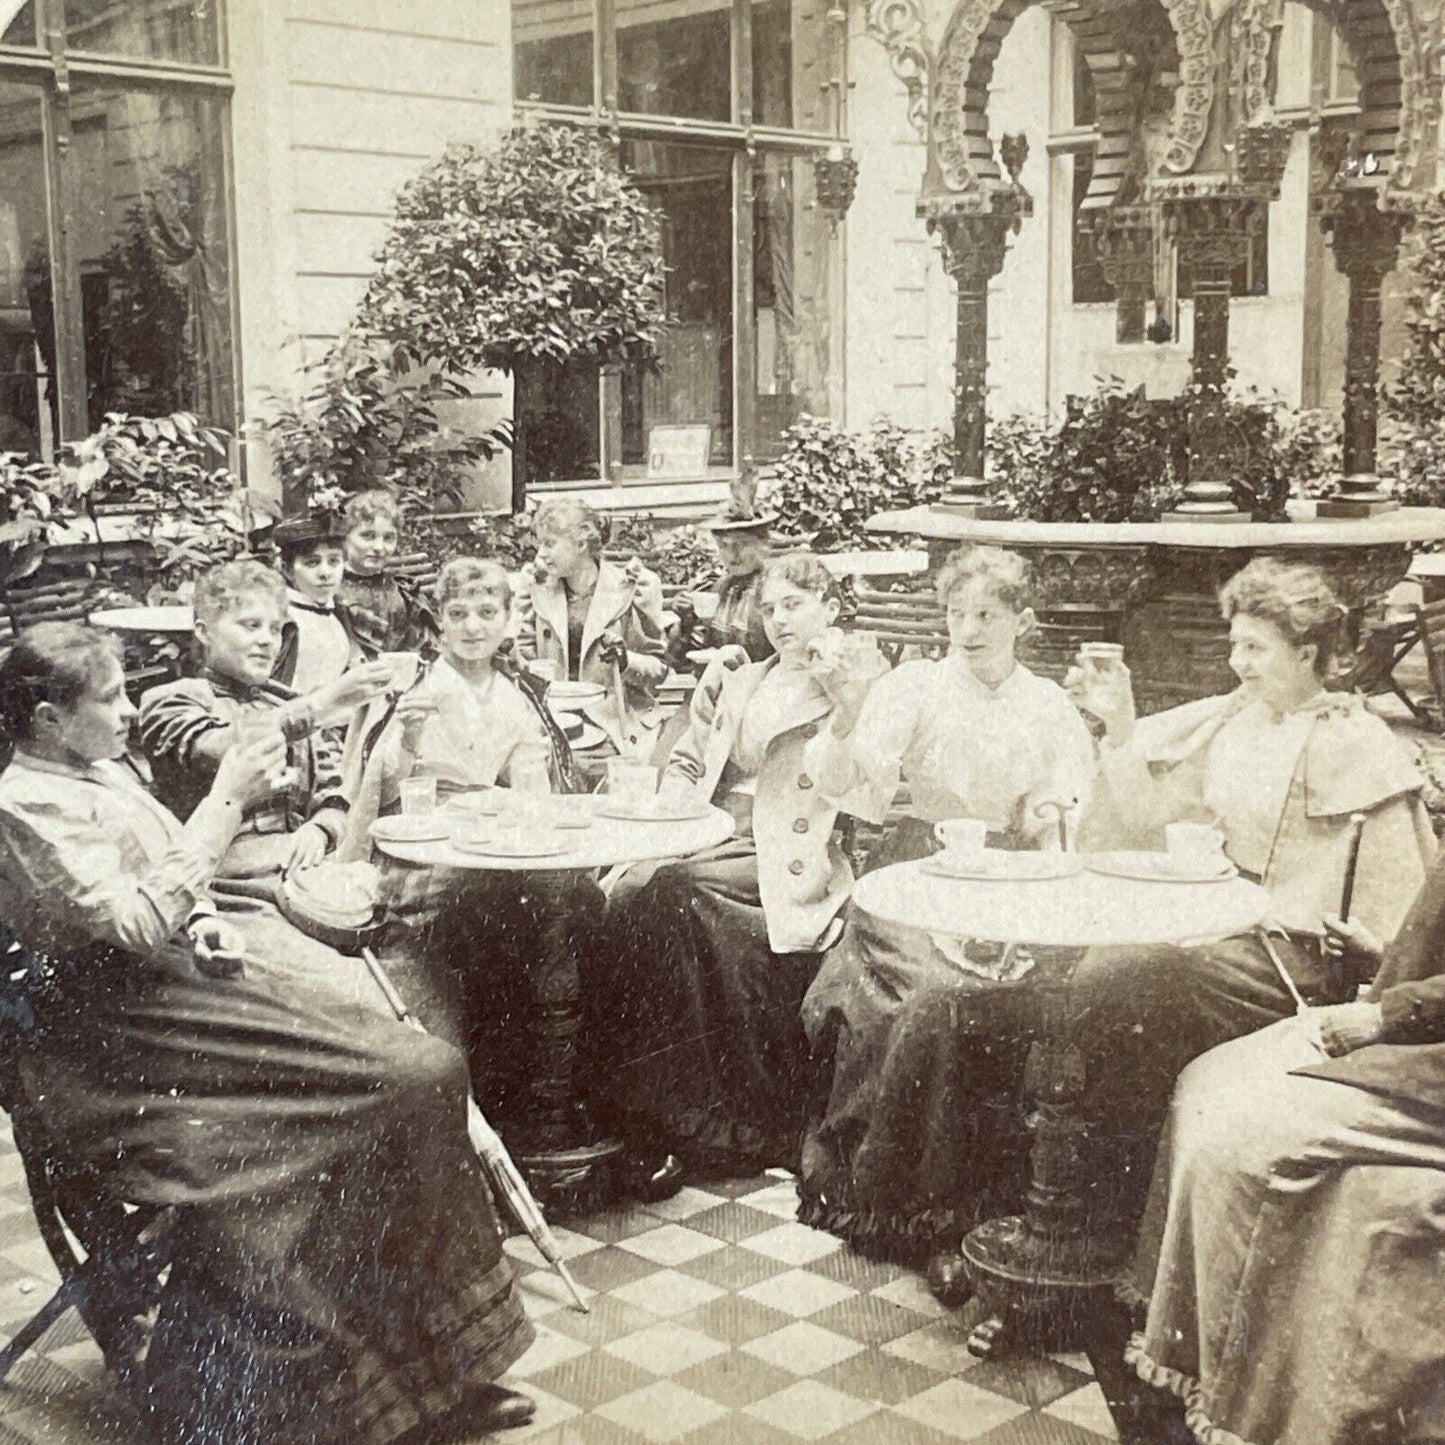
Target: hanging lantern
<point>835,176</point>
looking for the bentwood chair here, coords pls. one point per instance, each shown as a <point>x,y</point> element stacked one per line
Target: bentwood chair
<point>111,1255</point>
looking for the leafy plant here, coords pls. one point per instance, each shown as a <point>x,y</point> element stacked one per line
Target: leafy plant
<point>537,247</point>
<point>678,555</point>
<point>366,416</point>
<point>1412,449</point>
<point>171,471</point>
<point>1118,456</point>
<point>828,481</point>
<point>507,537</point>
<point>36,500</point>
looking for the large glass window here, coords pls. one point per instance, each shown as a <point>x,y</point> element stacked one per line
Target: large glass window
<point>18,23</point>
<point>29,418</point>
<point>152,251</point>
<point>750,340</point>
<point>793,302</point>
<point>179,30</point>
<point>115,259</point>
<point>693,383</point>
<point>675,59</point>
<point>552,51</point>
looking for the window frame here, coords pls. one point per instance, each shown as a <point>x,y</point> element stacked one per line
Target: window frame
<point>746,140</point>
<point>58,74</point>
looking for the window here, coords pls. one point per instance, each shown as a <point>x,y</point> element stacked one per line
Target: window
<point>115,251</point>
<point>750,341</point>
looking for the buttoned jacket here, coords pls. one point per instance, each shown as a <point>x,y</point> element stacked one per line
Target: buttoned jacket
<point>803,878</point>
<point>626,600</point>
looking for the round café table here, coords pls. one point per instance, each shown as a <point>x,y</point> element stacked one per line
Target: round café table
<point>148,621</point>
<point>553,1138</point>
<point>1036,1272</point>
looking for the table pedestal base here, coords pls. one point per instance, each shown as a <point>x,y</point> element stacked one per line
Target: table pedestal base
<point>573,1180</point>
<point>1040,1291</point>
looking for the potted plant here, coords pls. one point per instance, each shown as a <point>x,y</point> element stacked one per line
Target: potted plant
<point>536,254</point>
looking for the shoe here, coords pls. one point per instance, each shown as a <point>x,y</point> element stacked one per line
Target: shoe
<point>948,1279</point>
<point>652,1179</point>
<point>494,1407</point>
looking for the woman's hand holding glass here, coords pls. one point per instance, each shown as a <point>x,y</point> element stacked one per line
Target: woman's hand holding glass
<point>846,665</point>
<point>354,688</point>
<point>309,844</point>
<point>1103,686</point>
<point>255,768</point>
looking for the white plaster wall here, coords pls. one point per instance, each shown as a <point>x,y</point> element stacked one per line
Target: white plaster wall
<point>337,105</point>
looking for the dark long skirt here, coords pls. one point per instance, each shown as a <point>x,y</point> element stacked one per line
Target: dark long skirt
<point>922,1134</point>
<point>337,1267</point>
<point>1139,1016</point>
<point>698,1047</point>
<point>471,953</point>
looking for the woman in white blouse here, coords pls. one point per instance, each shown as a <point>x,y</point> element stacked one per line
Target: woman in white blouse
<point>919,1111</point>
<point>1280,766</point>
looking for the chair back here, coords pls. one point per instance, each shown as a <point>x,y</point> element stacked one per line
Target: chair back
<point>900,620</point>
<point>1430,620</point>
<point>70,600</point>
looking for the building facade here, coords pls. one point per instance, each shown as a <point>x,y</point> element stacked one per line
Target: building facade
<point>191,193</point>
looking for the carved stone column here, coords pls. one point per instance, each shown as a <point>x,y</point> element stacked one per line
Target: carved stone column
<point>1124,244</point>
<point>1212,233</point>
<point>974,243</point>
<point>1366,243</point>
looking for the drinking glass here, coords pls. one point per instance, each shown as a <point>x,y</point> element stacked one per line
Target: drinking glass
<point>631,781</point>
<point>418,795</point>
<point>530,773</point>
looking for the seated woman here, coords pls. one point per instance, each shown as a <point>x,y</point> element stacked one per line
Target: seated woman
<point>336,1270</point>
<point>697,992</point>
<point>470,722</point>
<point>595,620</point>
<point>1280,766</point>
<point>189,725</point>
<point>926,1036</point>
<point>1295,1296</point>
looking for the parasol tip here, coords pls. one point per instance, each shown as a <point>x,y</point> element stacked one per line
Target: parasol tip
<point>571,1284</point>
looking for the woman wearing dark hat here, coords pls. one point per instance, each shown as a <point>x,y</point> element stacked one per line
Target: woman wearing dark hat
<point>725,614</point>
<point>317,641</point>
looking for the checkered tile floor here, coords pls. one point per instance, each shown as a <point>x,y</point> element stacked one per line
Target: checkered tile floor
<point>716,1320</point>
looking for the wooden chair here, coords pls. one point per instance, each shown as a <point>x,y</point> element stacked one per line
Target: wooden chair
<point>1384,644</point>
<point>414,569</point>
<point>71,600</point>
<point>900,621</point>
<point>1429,626</point>
<point>111,1255</point>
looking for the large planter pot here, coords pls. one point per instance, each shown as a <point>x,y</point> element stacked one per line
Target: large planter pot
<point>1153,586</point>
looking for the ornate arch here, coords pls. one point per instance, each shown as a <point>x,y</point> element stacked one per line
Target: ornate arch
<point>964,71</point>
<point>1392,47</point>
<point>897,25</point>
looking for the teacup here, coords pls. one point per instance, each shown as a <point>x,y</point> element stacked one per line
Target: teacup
<point>1102,654</point>
<point>705,605</point>
<point>963,839</point>
<point>1195,845</point>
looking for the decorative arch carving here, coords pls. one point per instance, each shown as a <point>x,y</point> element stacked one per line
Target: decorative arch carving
<point>897,25</point>
<point>963,72</point>
<point>1392,45</point>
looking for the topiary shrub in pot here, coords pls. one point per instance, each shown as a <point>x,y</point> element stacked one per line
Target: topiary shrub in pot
<point>535,253</point>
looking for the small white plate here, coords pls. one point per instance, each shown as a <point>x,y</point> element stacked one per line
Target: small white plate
<point>411,828</point>
<point>498,847</point>
<point>999,865</point>
<point>574,692</point>
<point>1157,868</point>
<point>653,813</point>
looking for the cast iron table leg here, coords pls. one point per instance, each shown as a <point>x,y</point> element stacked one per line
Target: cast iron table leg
<point>559,1148</point>
<point>1039,1274</point>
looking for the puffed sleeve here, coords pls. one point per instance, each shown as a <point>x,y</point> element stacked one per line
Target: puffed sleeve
<point>174,717</point>
<point>83,882</point>
<point>685,761</point>
<point>867,766</point>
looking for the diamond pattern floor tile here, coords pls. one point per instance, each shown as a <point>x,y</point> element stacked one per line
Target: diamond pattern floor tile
<point>809,1410</point>
<point>716,1319</point>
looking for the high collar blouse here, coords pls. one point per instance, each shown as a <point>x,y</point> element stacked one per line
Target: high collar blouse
<point>967,750</point>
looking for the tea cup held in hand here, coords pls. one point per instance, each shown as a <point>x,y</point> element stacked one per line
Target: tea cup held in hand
<point>1195,846</point>
<point>963,839</point>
